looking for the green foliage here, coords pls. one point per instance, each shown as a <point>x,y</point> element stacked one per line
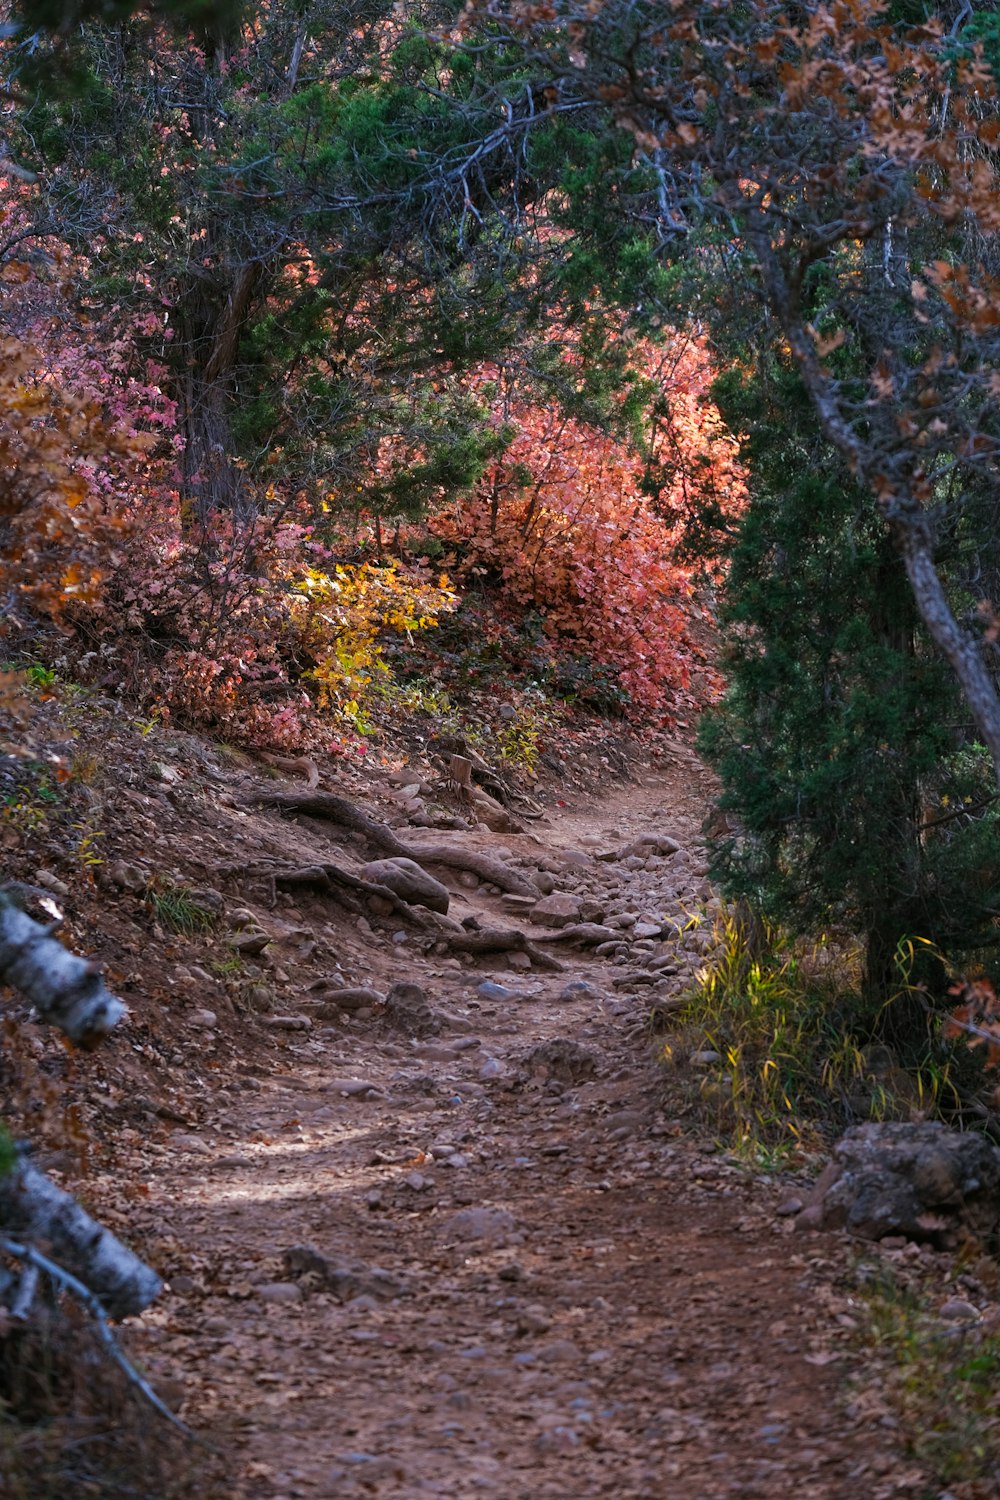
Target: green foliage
<point>8,1153</point>
<point>177,909</point>
<point>837,731</point>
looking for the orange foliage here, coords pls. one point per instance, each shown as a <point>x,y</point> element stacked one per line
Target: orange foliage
<point>564,525</point>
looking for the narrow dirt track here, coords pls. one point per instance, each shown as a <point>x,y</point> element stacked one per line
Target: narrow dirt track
<point>521,1283</point>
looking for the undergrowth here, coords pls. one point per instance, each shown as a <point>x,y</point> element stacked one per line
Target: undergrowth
<point>777,1047</point>
<point>941,1383</point>
<point>72,1426</point>
<point>177,908</point>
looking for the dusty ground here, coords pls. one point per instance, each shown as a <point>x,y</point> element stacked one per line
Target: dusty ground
<point>515,1277</point>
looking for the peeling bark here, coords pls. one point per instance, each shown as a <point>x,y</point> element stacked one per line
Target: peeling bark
<point>67,991</point>
<point>32,1208</point>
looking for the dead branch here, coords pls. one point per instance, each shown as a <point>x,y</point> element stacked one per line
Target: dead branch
<point>339,810</point>
<point>587,934</point>
<point>34,1262</point>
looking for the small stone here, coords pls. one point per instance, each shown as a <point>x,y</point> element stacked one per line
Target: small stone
<point>127,876</point>
<point>249,944</point>
<point>956,1310</point>
<point>490,1070</point>
<point>288,1023</point>
<point>467,880</point>
<point>183,1285</point>
<point>337,999</point>
<point>205,1020</point>
<point>484,1223</point>
<point>704,1059</point>
<point>544,881</point>
<point>51,882</point>
<point>562,1059</point>
<point>561,1352</point>
<point>280,1291</point>
<point>790,1206</point>
<point>647,930</point>
<point>519,962</point>
<point>578,989</point>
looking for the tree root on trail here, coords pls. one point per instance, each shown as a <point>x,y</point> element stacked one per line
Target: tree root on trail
<point>330,880</point>
<point>339,810</point>
<point>498,940</point>
<point>588,934</point>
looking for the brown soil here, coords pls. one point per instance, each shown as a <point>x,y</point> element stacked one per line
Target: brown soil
<point>638,1321</point>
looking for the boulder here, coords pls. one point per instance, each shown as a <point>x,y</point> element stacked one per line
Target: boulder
<point>557,910</point>
<point>406,879</point>
<point>920,1180</point>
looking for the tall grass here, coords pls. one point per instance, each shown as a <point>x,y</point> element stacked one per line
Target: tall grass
<point>799,1054</point>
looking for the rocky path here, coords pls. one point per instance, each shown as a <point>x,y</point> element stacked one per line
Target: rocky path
<point>461,1249</point>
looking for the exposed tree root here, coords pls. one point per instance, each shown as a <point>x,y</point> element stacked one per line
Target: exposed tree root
<point>339,810</point>
<point>497,940</point>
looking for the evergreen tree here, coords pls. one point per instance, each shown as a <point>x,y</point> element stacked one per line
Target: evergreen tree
<point>840,741</point>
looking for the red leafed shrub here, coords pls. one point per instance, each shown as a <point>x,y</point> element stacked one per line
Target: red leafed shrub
<point>565,525</point>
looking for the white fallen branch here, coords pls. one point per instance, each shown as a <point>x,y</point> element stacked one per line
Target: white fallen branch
<point>67,991</point>
<point>34,1262</point>
<point>32,1208</point>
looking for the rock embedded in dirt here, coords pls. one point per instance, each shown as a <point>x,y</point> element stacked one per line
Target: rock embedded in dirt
<point>562,1059</point>
<point>334,1000</point>
<point>957,1310</point>
<point>280,1291</point>
<point>406,879</point>
<point>921,1181</point>
<point>494,1225</point>
<point>128,876</point>
<point>557,910</point>
<point>345,1280</point>
<point>406,1009</point>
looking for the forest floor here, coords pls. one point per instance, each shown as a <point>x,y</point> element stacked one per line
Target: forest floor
<point>407,1252</point>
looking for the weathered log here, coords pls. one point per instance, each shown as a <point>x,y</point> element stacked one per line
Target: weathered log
<point>67,991</point>
<point>339,810</point>
<point>32,1208</point>
<point>501,940</point>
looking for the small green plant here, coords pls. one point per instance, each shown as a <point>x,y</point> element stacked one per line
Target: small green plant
<point>177,909</point>
<point>88,852</point>
<point>942,1384</point>
<point>520,741</point>
<point>796,1041</point>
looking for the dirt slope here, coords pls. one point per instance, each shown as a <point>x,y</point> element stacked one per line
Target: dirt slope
<point>507,1278</point>
<point>408,1253</point>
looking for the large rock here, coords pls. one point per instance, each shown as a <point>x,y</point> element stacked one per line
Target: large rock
<point>557,910</point>
<point>921,1180</point>
<point>405,878</point>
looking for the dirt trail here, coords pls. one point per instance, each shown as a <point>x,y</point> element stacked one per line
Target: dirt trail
<point>521,1281</point>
